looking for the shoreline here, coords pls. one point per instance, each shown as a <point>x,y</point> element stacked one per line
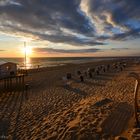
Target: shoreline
<point>63,61</point>
<point>94,63</point>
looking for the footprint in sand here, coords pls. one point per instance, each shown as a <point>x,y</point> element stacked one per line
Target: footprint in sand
<point>118,119</point>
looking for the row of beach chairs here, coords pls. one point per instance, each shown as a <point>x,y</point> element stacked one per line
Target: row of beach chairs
<point>90,72</point>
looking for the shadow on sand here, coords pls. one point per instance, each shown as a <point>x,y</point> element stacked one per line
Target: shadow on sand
<point>23,96</point>
<point>75,90</point>
<point>102,77</point>
<point>93,83</point>
<point>9,108</point>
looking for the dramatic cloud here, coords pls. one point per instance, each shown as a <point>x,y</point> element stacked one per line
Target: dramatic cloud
<point>119,49</point>
<point>133,33</point>
<point>51,50</point>
<point>116,16</point>
<point>76,22</point>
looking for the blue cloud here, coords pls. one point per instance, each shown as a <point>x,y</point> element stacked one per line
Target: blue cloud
<point>51,50</point>
<point>64,21</point>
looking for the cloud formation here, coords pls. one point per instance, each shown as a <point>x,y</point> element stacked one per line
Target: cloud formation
<point>119,49</point>
<point>51,50</point>
<point>66,21</point>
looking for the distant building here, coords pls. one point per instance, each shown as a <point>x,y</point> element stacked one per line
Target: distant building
<point>8,69</point>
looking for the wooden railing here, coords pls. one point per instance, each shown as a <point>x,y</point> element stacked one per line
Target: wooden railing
<point>136,97</point>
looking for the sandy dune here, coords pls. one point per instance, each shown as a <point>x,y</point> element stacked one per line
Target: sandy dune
<point>100,108</point>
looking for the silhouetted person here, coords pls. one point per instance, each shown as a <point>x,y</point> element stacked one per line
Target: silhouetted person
<point>121,68</point>
<point>85,73</point>
<point>38,66</point>
<point>124,65</point>
<point>26,72</point>
<point>92,70</point>
<point>89,73</point>
<point>97,72</point>
<point>69,76</point>
<point>78,72</point>
<point>81,78</point>
<point>104,69</point>
<point>108,67</point>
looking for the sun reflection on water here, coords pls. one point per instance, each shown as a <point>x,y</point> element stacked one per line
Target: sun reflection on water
<point>27,64</point>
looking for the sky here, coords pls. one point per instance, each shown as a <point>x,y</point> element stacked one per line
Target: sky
<point>69,28</point>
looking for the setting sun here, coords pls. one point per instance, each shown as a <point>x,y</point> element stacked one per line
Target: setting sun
<point>27,50</point>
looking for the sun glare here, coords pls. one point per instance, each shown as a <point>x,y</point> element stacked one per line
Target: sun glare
<point>27,50</point>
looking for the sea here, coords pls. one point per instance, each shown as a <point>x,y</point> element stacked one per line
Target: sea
<point>32,63</point>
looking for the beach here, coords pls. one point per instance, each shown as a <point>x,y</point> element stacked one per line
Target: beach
<point>100,108</point>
